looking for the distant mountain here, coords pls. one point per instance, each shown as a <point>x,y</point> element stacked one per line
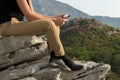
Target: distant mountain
<point>108,20</point>
<point>53,7</point>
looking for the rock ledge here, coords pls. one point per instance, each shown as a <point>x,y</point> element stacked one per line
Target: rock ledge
<point>26,58</point>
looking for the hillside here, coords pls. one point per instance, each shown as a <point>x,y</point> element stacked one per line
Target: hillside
<point>53,7</point>
<point>88,39</point>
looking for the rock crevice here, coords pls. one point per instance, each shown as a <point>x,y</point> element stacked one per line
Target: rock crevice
<point>26,58</point>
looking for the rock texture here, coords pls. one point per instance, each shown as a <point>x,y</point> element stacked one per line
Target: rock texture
<point>26,58</point>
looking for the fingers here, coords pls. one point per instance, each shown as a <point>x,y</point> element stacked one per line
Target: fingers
<point>60,15</point>
<point>59,21</point>
<point>65,20</point>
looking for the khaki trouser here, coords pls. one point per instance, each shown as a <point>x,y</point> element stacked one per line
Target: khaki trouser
<point>47,27</point>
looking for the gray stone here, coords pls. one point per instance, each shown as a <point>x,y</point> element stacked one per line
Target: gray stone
<point>25,71</point>
<point>28,78</point>
<point>14,43</point>
<point>26,58</point>
<point>98,72</point>
<point>25,54</point>
<point>48,74</point>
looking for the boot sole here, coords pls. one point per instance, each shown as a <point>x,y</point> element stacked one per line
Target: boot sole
<point>54,65</point>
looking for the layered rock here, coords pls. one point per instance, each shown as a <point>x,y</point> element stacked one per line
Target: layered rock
<point>27,57</point>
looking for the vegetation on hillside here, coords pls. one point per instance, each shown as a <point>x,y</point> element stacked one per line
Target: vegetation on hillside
<point>88,39</point>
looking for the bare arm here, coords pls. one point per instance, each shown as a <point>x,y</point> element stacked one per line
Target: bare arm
<point>28,10</point>
<point>31,6</point>
<point>30,14</point>
<point>32,9</point>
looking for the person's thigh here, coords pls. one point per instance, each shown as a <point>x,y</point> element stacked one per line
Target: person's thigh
<point>27,28</point>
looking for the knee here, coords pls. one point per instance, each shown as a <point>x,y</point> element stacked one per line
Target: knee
<point>46,25</point>
<point>51,23</point>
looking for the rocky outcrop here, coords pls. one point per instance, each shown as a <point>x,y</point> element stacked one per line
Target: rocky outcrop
<point>26,58</point>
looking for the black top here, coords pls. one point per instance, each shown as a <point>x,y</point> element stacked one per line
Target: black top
<point>8,9</point>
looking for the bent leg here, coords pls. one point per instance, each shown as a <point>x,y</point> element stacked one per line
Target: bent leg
<point>36,28</point>
<point>26,28</point>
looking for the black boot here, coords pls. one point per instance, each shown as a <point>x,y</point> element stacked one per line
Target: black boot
<point>66,61</point>
<point>55,61</point>
<point>73,66</point>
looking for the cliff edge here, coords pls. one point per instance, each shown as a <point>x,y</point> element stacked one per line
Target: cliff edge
<point>26,58</point>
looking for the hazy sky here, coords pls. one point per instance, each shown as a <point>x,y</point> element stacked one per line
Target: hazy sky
<point>97,7</point>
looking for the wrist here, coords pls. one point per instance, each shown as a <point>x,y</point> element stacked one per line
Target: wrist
<point>53,18</point>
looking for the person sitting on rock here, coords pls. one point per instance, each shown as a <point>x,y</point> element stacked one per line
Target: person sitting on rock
<point>12,13</point>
